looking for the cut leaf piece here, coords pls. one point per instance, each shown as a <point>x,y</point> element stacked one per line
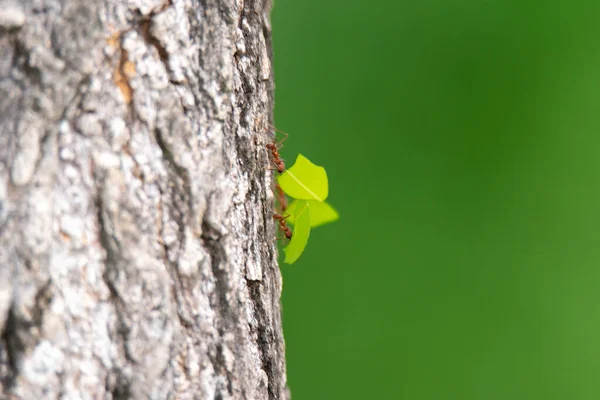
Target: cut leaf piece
<point>321,213</point>
<point>300,235</point>
<point>305,180</point>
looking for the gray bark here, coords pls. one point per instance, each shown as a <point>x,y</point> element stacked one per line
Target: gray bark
<point>137,257</point>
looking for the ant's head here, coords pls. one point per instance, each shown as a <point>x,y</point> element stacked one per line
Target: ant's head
<point>288,233</point>
<point>270,146</point>
<point>280,167</point>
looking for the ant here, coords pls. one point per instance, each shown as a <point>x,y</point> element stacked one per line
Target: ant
<point>282,225</point>
<point>274,148</point>
<point>281,198</point>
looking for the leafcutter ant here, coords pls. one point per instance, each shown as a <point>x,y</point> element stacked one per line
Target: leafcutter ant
<point>283,225</point>
<point>274,148</point>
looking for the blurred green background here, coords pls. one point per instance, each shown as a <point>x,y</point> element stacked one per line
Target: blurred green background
<point>461,140</point>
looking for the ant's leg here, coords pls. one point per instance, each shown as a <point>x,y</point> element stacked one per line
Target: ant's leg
<point>272,162</point>
<point>285,216</point>
<point>275,163</point>
<point>280,143</point>
<point>276,169</point>
<point>278,130</point>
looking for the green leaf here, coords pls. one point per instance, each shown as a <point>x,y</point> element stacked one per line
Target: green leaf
<point>300,235</point>
<point>321,213</point>
<point>305,180</point>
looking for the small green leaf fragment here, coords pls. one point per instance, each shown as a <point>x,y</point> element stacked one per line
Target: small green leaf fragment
<point>300,235</point>
<point>321,213</point>
<point>305,180</point>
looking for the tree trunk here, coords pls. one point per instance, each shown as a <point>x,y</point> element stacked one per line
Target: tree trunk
<point>137,255</point>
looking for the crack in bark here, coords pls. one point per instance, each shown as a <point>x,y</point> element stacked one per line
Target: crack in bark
<point>122,387</point>
<point>182,196</point>
<point>145,24</point>
<point>211,238</point>
<point>20,334</point>
<point>163,54</point>
<point>21,63</point>
<point>178,289</point>
<point>12,346</point>
<point>264,338</point>
<point>180,172</point>
<point>142,24</point>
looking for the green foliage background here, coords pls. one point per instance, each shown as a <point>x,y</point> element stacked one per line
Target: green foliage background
<point>461,139</point>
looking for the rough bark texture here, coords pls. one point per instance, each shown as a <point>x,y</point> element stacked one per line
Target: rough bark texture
<point>137,257</point>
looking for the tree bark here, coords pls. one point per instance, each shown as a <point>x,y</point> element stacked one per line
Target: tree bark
<point>137,255</point>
